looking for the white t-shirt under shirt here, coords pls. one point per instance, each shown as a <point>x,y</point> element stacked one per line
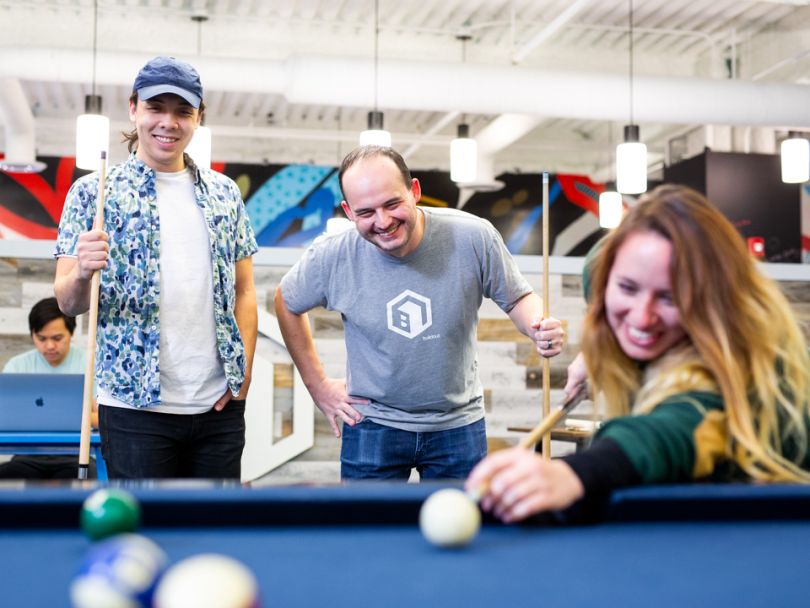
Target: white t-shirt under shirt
<point>192,377</point>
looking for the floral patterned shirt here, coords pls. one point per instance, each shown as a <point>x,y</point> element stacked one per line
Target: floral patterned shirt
<point>128,335</point>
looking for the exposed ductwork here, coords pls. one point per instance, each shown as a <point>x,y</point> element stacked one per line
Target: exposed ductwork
<point>497,135</point>
<point>520,97</point>
<point>16,116</point>
<point>414,85</point>
<point>545,93</point>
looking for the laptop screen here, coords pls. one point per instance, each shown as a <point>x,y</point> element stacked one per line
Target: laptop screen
<point>41,402</point>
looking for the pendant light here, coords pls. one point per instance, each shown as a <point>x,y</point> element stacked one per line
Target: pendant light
<point>463,149</point>
<point>375,134</point>
<point>631,156</point>
<point>611,207</point>
<point>795,156</point>
<point>92,128</point>
<point>199,148</point>
<point>463,156</point>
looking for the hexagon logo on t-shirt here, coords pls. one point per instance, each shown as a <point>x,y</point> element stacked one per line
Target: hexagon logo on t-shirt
<point>409,314</point>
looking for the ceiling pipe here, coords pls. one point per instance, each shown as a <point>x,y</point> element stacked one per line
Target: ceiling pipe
<point>18,122</point>
<point>437,126</point>
<point>226,132</point>
<point>549,30</point>
<point>477,89</point>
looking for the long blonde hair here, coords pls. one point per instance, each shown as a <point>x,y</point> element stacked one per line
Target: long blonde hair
<point>743,339</point>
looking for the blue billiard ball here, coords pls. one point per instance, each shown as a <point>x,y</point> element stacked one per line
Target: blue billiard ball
<point>120,572</point>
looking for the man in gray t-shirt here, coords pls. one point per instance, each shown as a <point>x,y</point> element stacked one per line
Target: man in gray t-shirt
<point>408,284</point>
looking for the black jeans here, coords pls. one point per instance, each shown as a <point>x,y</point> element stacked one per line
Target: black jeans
<point>139,444</point>
<point>44,467</point>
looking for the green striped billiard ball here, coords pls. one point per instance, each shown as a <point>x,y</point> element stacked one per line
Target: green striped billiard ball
<point>110,511</point>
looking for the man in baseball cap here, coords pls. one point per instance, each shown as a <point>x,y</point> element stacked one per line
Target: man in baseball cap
<point>177,317</point>
<point>169,75</point>
<point>166,107</point>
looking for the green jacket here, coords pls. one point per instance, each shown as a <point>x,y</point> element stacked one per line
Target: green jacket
<point>683,438</point>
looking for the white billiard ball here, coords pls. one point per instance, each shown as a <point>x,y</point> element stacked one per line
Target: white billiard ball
<point>449,518</point>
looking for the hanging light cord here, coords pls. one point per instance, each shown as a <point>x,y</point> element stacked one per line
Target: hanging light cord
<point>463,61</point>
<point>376,50</point>
<point>631,62</point>
<point>200,18</point>
<point>95,42</point>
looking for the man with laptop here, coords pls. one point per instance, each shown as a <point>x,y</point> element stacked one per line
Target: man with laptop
<point>51,332</point>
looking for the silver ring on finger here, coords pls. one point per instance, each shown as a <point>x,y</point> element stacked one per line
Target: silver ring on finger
<point>549,344</point>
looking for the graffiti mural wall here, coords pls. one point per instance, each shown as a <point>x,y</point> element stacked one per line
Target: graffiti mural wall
<point>289,205</point>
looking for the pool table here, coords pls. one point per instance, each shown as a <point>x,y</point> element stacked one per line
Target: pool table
<point>359,545</point>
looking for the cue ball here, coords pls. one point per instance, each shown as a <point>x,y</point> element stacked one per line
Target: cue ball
<point>208,580</point>
<point>108,512</point>
<point>449,518</point>
<point>119,572</point>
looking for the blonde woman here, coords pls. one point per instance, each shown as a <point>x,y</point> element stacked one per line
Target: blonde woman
<point>696,357</point>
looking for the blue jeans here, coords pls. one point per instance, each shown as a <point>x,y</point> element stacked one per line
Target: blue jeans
<point>139,444</point>
<point>374,451</point>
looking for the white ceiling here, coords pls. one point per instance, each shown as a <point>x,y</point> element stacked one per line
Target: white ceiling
<point>544,84</point>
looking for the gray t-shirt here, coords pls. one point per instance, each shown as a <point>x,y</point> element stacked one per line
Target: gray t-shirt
<point>410,323</point>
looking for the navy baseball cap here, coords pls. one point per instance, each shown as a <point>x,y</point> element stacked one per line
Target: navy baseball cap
<point>169,75</point>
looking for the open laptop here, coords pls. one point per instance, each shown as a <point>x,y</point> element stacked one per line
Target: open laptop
<point>41,402</point>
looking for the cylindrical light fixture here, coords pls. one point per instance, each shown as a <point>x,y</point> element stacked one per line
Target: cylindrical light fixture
<point>610,209</point>
<point>795,155</point>
<point>463,156</point>
<point>199,148</point>
<point>375,135</point>
<point>92,134</point>
<point>631,163</point>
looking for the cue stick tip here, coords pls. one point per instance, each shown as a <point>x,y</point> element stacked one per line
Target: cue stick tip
<point>83,469</point>
<point>578,396</point>
<point>476,494</point>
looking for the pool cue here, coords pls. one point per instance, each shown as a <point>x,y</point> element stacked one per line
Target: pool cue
<point>92,323</point>
<point>546,313</point>
<point>541,431</point>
